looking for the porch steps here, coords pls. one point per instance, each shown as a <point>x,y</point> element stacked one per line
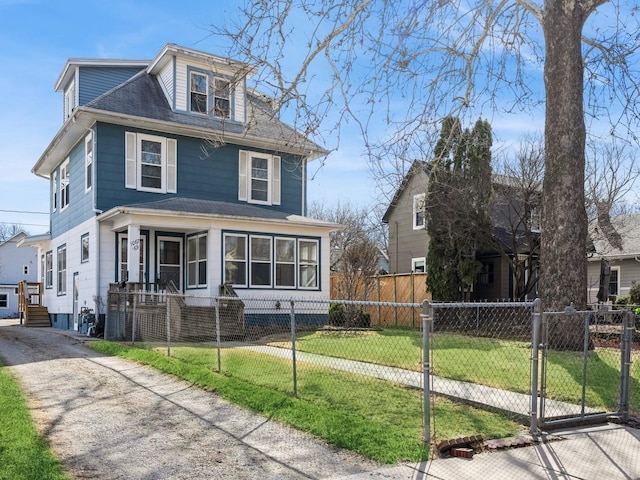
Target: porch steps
<point>37,316</point>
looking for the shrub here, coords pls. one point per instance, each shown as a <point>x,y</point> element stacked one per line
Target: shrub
<point>339,316</point>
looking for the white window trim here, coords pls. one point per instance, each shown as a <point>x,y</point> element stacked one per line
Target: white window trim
<point>65,181</point>
<point>269,261</point>
<point>88,162</point>
<point>206,93</point>
<point>197,261</point>
<point>276,262</point>
<point>54,190</point>
<point>48,282</point>
<point>273,178</point>
<point>61,273</point>
<point>246,257</point>
<point>617,269</point>
<point>300,264</point>
<point>418,202</point>
<point>83,238</point>
<point>416,261</point>
<point>70,99</point>
<point>133,163</point>
<point>6,300</point>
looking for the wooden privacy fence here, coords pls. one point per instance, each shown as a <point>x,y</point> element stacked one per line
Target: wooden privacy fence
<point>398,288</point>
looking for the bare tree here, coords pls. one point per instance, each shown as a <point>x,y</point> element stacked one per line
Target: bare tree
<point>9,230</point>
<point>407,65</point>
<point>517,206</point>
<point>355,251</point>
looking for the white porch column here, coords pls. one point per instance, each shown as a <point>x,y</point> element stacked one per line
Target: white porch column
<point>133,253</point>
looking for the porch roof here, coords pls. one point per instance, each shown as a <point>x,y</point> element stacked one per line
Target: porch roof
<point>196,208</point>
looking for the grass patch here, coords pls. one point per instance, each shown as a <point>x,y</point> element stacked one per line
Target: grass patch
<point>375,418</point>
<point>23,453</point>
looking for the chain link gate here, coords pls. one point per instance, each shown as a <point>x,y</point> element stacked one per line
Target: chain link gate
<point>584,368</point>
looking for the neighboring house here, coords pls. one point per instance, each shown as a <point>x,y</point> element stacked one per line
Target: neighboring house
<point>515,237</point>
<point>16,265</point>
<point>173,170</point>
<point>623,263</point>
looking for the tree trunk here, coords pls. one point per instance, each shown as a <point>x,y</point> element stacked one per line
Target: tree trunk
<point>563,253</point>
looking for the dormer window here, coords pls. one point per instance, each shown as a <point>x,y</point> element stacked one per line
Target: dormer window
<point>198,93</point>
<point>221,99</point>
<point>70,100</point>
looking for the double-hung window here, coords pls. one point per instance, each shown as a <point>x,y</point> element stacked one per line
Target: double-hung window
<point>267,261</point>
<point>84,248</point>
<point>235,259</point>
<point>54,191</point>
<point>221,98</point>
<point>69,100</point>
<point>260,254</point>
<point>151,163</point>
<point>259,178</point>
<point>614,279</point>
<point>88,162</point>
<point>62,270</point>
<point>285,262</point>
<point>197,261</point>
<point>64,185</point>
<point>48,261</point>
<point>198,92</point>
<point>308,255</point>
<point>418,211</point>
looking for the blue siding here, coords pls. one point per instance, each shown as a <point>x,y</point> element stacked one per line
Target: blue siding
<point>204,172</point>
<point>94,81</point>
<point>80,202</point>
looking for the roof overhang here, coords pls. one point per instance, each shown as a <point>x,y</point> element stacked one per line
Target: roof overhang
<point>121,217</point>
<point>34,240</point>
<point>84,118</point>
<point>70,67</point>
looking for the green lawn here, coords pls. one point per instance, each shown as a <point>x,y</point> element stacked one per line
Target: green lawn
<point>23,454</point>
<point>378,419</point>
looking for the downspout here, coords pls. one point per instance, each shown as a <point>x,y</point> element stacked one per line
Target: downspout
<point>96,211</point>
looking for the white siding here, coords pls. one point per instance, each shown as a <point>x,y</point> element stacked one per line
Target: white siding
<point>239,106</point>
<point>181,89</point>
<point>166,80</point>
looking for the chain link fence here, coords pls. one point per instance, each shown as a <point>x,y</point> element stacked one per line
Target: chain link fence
<point>413,364</point>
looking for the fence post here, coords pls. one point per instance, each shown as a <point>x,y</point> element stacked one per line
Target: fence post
<point>427,321</point>
<point>218,343</point>
<point>169,297</point>
<point>535,358</point>
<point>625,365</point>
<point>292,315</point>
<point>133,318</point>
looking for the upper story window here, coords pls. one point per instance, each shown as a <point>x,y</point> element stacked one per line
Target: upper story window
<point>151,163</point>
<point>88,162</point>
<point>221,98</point>
<point>535,219</point>
<point>198,93</point>
<point>54,191</point>
<point>70,100</point>
<point>259,178</point>
<point>418,211</point>
<point>64,185</point>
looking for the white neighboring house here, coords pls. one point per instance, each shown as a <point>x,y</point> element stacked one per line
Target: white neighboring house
<point>16,265</point>
<point>174,171</point>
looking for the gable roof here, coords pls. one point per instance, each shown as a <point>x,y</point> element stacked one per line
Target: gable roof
<point>141,102</point>
<point>416,166</point>
<point>628,227</point>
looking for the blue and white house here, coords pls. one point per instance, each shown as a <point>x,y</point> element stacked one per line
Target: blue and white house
<point>16,265</point>
<point>174,169</point>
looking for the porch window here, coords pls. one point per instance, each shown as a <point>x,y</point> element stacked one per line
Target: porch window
<point>48,261</point>
<point>124,275</point>
<point>260,262</point>
<point>285,262</point>
<point>235,259</point>
<point>308,255</point>
<point>62,270</point>
<point>197,261</point>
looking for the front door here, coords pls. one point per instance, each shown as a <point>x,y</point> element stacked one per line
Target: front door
<point>170,261</point>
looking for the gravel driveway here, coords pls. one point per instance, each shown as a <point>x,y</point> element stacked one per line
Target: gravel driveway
<point>109,418</point>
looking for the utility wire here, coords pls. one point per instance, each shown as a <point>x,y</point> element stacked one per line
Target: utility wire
<point>25,211</point>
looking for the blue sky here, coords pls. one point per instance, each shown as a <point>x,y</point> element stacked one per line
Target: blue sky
<point>36,39</point>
